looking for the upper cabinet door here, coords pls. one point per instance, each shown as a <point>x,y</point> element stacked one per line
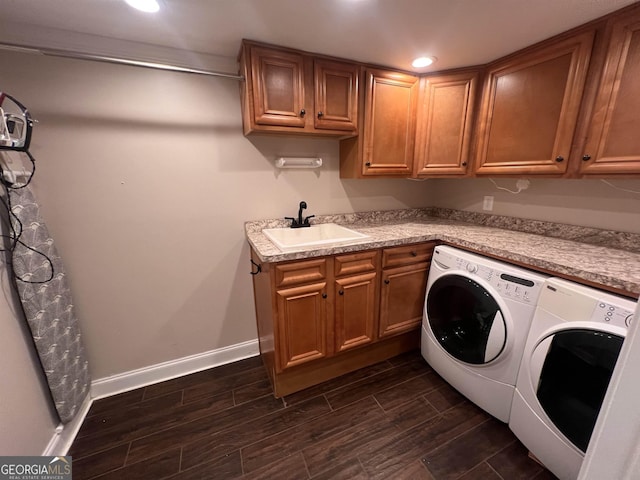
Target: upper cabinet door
<point>389,123</point>
<point>613,142</point>
<point>278,87</point>
<point>336,95</point>
<point>530,107</point>
<point>445,117</point>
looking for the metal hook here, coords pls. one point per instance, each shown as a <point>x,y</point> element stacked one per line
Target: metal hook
<point>258,268</point>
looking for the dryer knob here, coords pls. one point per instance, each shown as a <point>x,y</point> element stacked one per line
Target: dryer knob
<point>471,268</point>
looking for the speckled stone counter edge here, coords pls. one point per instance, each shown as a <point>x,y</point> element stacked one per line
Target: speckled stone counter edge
<point>593,236</point>
<point>602,265</point>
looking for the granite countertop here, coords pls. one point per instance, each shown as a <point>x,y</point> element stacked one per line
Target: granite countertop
<point>615,268</point>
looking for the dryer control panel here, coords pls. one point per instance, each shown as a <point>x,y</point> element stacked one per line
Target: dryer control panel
<point>573,302</point>
<point>510,282</point>
<point>613,314</point>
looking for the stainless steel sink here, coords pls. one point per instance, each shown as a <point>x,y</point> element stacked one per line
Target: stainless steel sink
<point>324,234</point>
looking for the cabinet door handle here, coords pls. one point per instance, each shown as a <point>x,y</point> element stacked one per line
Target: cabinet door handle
<point>324,295</point>
<point>341,292</point>
<point>464,164</point>
<point>586,157</point>
<point>258,268</point>
<point>559,158</point>
<point>303,112</point>
<point>368,164</point>
<point>387,281</point>
<point>320,114</point>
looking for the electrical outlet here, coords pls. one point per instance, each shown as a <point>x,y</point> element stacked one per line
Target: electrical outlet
<point>488,203</point>
<point>522,184</point>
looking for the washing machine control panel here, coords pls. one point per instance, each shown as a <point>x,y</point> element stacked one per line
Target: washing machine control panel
<point>510,285</point>
<point>613,314</point>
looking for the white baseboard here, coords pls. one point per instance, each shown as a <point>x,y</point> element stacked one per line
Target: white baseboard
<point>65,434</point>
<point>123,382</point>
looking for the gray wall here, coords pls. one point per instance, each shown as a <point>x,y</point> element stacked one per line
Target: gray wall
<point>145,180</point>
<point>578,202</point>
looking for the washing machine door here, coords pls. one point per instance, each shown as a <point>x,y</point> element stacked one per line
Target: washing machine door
<point>572,369</point>
<point>466,320</point>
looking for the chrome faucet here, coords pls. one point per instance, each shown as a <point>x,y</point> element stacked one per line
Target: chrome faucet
<point>300,222</point>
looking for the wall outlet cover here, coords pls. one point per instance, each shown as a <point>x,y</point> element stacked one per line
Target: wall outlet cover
<point>487,204</point>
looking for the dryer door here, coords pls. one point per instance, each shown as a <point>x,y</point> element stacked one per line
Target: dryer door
<point>466,320</point>
<point>576,369</point>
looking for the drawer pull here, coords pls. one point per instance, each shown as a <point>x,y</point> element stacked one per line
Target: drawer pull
<point>387,281</point>
<point>341,292</point>
<point>324,295</point>
<point>414,253</point>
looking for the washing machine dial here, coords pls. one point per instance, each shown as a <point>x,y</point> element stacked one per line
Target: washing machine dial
<point>471,268</point>
<point>627,321</point>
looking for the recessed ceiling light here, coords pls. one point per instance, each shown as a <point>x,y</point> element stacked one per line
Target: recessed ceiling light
<point>422,62</point>
<point>144,5</point>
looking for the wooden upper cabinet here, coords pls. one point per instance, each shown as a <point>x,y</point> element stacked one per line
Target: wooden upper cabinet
<point>286,91</point>
<point>613,141</point>
<point>445,119</point>
<point>530,107</point>
<point>278,88</point>
<point>336,95</point>
<point>389,123</point>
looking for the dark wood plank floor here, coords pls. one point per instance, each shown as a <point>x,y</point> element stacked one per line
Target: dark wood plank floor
<point>394,420</point>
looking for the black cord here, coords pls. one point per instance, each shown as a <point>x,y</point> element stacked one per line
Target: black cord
<point>15,225</point>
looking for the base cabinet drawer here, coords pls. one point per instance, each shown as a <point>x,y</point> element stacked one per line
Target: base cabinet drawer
<point>407,255</point>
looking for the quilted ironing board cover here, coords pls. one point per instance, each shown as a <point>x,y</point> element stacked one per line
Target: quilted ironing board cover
<point>48,308</point>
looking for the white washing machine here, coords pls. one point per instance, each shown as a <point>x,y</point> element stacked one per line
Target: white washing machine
<point>573,345</point>
<point>477,314</point>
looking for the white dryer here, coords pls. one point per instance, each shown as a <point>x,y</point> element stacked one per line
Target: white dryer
<point>573,345</point>
<point>476,318</point>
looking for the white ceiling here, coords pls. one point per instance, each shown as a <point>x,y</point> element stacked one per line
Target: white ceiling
<point>386,32</point>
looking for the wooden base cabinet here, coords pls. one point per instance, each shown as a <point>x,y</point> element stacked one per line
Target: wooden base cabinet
<point>355,311</point>
<point>301,324</point>
<point>404,283</point>
<point>324,317</point>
